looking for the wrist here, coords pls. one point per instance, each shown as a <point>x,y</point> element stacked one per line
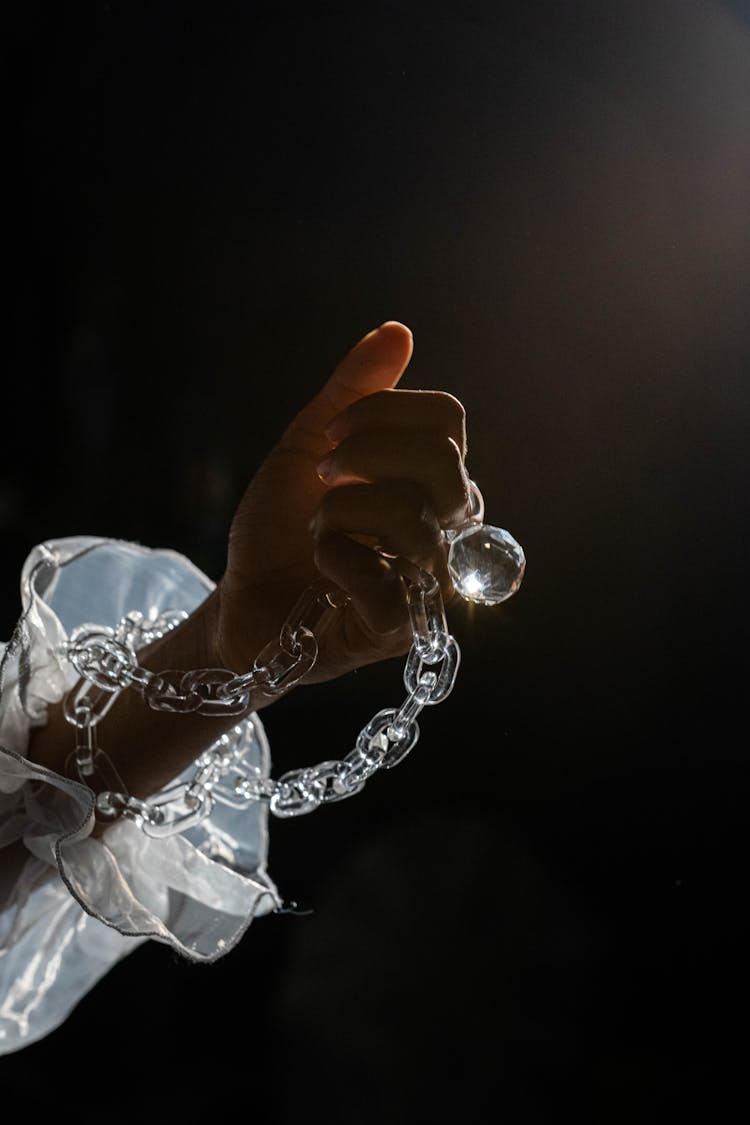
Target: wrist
<point>189,645</point>
<point>234,637</point>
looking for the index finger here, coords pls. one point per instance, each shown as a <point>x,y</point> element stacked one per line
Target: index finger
<point>401,409</point>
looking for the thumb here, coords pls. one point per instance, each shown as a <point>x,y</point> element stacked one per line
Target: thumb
<point>376,363</point>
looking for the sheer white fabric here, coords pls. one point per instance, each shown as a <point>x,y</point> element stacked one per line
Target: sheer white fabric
<point>71,906</point>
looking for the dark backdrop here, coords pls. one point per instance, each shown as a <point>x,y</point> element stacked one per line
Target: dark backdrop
<point>539,911</point>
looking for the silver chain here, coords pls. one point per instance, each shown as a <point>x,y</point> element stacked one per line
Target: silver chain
<point>106,660</point>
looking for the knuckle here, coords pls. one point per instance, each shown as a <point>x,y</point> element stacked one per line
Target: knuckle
<point>454,464</point>
<point>453,407</point>
<point>454,453</point>
<point>456,485</point>
<point>412,512</point>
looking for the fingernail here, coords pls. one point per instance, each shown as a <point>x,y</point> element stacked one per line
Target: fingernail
<point>337,429</point>
<point>325,468</point>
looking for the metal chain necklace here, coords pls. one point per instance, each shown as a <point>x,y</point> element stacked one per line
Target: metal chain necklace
<point>486,566</point>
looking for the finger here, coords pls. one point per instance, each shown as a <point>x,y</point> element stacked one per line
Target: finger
<point>395,514</point>
<point>427,410</point>
<point>431,460</point>
<point>376,363</point>
<point>375,587</point>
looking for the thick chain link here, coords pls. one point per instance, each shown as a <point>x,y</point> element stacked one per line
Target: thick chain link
<point>107,663</point>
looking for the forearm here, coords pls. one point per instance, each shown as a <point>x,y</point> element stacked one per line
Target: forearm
<point>149,748</point>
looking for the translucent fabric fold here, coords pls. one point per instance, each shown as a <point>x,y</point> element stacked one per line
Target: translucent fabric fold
<point>72,905</point>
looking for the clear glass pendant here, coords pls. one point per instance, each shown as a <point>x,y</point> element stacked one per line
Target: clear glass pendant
<point>486,563</point>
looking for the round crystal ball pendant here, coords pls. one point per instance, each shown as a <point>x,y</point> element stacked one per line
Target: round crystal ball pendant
<point>486,563</point>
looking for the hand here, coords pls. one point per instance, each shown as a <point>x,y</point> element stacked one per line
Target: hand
<point>396,477</point>
<point>361,466</point>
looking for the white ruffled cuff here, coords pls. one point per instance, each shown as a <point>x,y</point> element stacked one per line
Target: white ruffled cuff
<point>197,892</point>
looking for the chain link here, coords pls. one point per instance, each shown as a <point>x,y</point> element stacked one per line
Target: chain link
<point>107,663</point>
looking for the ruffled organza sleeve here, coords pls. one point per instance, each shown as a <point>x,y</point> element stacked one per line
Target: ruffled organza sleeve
<point>72,905</point>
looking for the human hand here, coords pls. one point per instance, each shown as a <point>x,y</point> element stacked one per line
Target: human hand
<point>361,466</point>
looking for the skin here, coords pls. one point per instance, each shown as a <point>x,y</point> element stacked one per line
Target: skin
<point>362,465</point>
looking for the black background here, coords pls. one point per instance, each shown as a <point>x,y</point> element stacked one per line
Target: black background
<point>540,911</point>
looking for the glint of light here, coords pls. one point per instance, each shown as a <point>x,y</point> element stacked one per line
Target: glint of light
<point>472,584</point>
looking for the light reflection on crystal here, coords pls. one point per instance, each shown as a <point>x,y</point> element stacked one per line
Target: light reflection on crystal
<point>486,564</point>
<point>471,584</point>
